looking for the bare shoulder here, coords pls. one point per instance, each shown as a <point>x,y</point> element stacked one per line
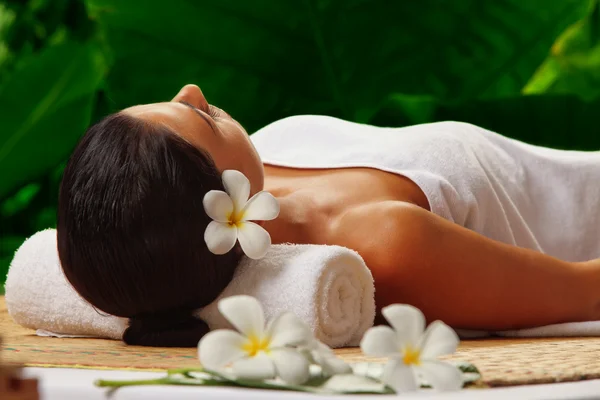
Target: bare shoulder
<point>384,233</point>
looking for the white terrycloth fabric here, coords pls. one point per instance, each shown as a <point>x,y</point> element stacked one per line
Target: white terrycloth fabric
<point>527,196</point>
<point>329,287</point>
<point>38,295</point>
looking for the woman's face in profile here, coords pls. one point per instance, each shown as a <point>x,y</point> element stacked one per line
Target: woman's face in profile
<point>208,128</point>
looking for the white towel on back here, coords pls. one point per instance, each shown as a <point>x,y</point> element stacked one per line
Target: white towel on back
<point>329,287</point>
<point>501,188</point>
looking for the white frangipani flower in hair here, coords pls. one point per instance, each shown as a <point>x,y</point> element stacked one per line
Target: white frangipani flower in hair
<point>413,352</point>
<point>232,212</point>
<point>256,352</point>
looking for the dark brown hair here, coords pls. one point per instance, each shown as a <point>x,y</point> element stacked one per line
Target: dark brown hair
<point>131,229</point>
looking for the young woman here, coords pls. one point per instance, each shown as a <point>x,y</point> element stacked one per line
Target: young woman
<point>475,229</point>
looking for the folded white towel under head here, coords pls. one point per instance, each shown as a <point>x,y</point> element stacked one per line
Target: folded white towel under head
<point>329,287</point>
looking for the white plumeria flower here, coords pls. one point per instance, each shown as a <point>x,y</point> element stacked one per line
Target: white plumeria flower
<point>256,353</point>
<point>319,353</point>
<point>232,212</point>
<point>413,353</point>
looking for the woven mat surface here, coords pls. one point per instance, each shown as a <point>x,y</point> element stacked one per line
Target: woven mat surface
<point>502,362</point>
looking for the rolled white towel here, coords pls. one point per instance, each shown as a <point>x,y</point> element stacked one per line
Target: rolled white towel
<point>329,287</point>
<point>38,296</point>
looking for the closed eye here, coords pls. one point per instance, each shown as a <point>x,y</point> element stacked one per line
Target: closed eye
<point>210,122</point>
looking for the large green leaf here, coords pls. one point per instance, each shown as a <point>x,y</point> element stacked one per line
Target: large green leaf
<point>574,64</point>
<point>44,109</point>
<point>559,121</point>
<point>264,59</point>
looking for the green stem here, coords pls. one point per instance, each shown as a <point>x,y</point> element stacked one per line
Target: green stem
<point>260,384</point>
<point>185,372</point>
<point>184,377</point>
<point>167,380</point>
<point>115,384</point>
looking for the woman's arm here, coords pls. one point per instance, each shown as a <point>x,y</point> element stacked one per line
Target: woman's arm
<point>461,277</point>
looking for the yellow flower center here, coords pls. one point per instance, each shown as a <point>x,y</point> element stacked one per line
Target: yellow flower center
<point>255,345</point>
<point>235,218</point>
<point>411,356</point>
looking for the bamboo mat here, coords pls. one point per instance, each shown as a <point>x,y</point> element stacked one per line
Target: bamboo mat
<point>502,362</point>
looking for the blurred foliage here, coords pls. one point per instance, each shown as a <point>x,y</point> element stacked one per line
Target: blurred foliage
<point>573,65</point>
<point>527,69</point>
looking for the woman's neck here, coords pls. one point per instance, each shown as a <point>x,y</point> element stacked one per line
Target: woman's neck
<point>291,226</point>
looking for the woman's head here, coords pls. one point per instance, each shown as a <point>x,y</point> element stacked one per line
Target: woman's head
<point>131,221</point>
<point>208,128</point>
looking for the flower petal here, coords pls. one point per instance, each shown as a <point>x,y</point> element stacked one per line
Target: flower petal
<point>441,375</point>
<point>254,368</point>
<point>380,341</point>
<point>220,237</point>
<point>255,241</point>
<point>291,366</point>
<point>237,187</point>
<point>218,205</point>
<point>399,376</point>
<point>219,348</point>
<point>261,207</point>
<point>331,364</point>
<point>407,321</point>
<point>321,347</point>
<point>287,330</point>
<point>245,313</point>
<point>438,340</point>
<point>354,384</point>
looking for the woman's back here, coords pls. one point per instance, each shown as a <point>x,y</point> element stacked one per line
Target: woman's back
<point>519,194</point>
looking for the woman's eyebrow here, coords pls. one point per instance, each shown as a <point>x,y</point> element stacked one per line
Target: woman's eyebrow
<point>208,121</point>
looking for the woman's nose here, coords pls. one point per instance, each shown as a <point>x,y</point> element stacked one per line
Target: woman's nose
<point>191,94</point>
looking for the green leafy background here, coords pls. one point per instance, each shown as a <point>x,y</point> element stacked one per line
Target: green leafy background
<point>529,69</point>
